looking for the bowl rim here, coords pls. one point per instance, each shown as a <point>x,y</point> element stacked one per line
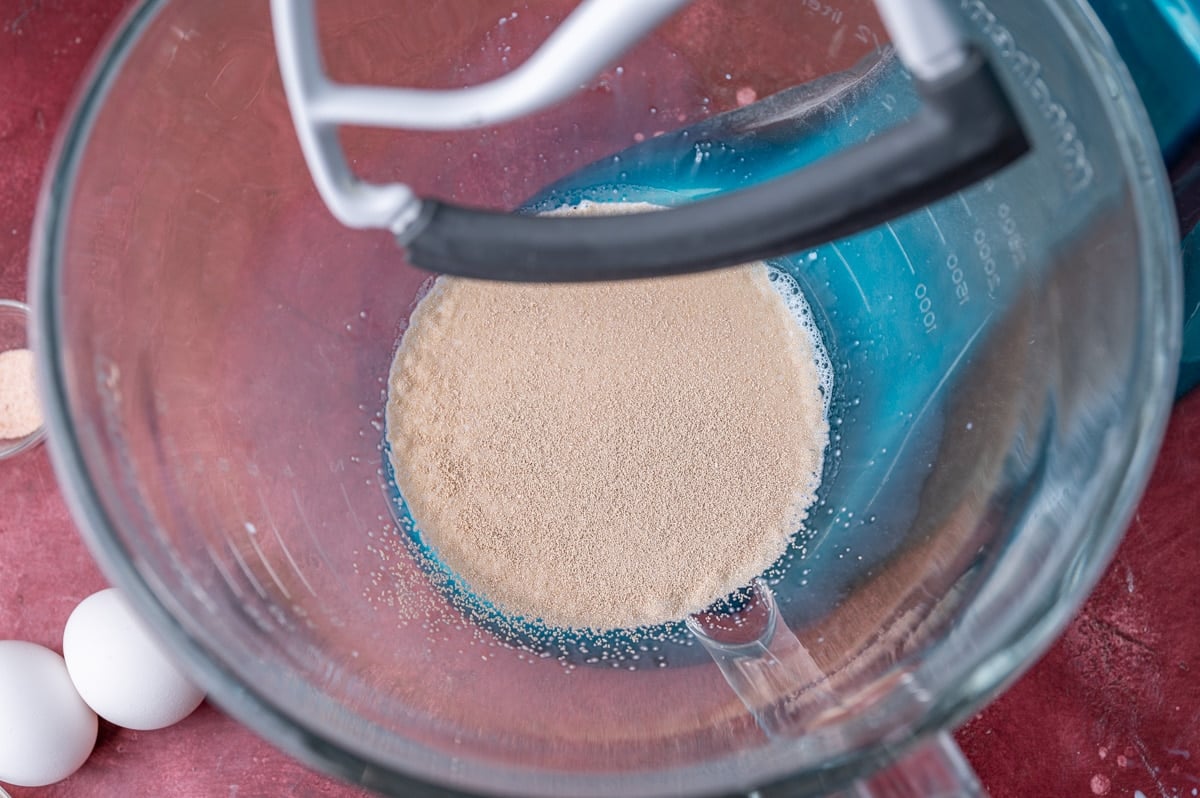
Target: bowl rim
<point>1008,651</point>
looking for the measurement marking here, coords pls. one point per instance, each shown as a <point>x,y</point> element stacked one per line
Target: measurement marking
<point>218,561</point>
<point>282,546</point>
<point>350,507</point>
<point>287,594</point>
<point>903,252</point>
<point>234,586</point>
<point>936,226</point>
<point>259,587</point>
<point>853,279</point>
<point>245,568</point>
<point>966,207</point>
<point>313,537</point>
<point>912,425</point>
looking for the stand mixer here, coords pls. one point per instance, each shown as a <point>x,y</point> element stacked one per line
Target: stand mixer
<point>994,267</point>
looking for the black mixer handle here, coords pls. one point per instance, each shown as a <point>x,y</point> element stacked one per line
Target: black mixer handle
<point>965,129</point>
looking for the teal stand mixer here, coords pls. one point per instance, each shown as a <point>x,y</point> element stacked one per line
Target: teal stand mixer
<point>1160,43</point>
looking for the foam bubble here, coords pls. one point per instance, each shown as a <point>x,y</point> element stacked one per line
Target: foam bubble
<point>793,298</point>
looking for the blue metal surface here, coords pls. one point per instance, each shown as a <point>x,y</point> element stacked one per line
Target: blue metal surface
<point>1159,40</point>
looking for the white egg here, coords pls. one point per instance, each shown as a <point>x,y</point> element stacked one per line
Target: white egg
<point>46,731</point>
<point>122,672</point>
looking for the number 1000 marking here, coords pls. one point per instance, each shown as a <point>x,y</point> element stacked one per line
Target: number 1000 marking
<point>925,306</point>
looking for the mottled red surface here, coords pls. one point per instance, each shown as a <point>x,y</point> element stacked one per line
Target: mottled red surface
<point>1114,707</point>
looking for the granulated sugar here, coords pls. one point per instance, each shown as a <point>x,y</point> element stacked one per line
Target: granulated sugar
<point>607,455</point>
<point>20,413</point>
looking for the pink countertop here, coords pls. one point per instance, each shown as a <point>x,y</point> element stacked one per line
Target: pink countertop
<point>1112,709</point>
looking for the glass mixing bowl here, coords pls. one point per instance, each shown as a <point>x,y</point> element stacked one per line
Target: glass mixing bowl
<point>213,349</point>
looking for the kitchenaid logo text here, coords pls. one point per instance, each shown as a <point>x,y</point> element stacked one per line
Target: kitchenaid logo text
<point>1028,71</point>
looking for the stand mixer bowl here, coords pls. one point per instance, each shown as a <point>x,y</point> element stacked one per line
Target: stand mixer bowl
<point>214,349</point>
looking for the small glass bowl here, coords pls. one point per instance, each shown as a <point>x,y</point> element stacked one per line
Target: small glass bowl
<point>14,334</point>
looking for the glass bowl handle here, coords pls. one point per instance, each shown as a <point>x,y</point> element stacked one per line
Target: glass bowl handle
<point>936,768</point>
